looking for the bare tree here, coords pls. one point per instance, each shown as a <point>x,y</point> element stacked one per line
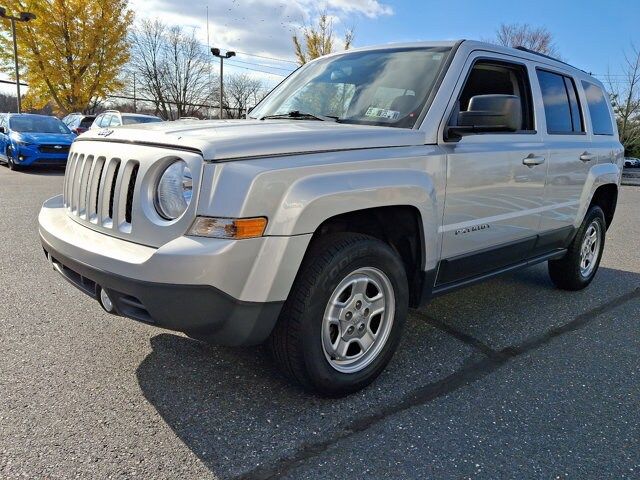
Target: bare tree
<point>171,68</point>
<point>625,96</point>
<point>317,40</point>
<point>242,91</point>
<point>538,39</point>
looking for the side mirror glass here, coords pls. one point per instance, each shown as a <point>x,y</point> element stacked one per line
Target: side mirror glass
<point>489,113</point>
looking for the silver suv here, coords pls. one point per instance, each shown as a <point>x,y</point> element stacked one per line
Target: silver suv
<point>365,184</point>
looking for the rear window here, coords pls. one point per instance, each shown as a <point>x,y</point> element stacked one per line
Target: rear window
<point>126,120</point>
<point>561,107</point>
<point>86,122</point>
<point>598,109</point>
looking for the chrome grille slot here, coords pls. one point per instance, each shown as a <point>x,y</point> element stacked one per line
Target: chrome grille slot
<point>84,184</point>
<point>93,192</point>
<point>107,187</point>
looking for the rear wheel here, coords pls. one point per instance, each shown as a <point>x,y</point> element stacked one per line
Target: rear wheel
<point>343,319</point>
<point>577,268</point>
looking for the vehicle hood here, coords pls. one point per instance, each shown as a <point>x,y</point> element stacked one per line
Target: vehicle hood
<point>219,140</point>
<point>39,138</point>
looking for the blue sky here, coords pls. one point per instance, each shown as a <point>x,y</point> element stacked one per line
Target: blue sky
<point>589,34</point>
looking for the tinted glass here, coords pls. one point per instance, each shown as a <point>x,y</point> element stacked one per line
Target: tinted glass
<point>86,122</point>
<point>556,102</point>
<point>378,87</point>
<point>576,117</point>
<point>132,120</point>
<point>115,121</point>
<point>37,124</point>
<point>598,109</point>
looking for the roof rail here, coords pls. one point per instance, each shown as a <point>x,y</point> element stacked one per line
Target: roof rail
<point>528,50</point>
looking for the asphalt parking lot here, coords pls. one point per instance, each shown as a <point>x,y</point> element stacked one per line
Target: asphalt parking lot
<point>508,379</point>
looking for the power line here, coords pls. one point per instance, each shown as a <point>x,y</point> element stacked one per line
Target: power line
<point>235,65</point>
<point>267,58</point>
<point>265,65</point>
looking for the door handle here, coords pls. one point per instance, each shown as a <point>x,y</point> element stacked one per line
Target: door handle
<point>532,160</point>
<point>587,157</point>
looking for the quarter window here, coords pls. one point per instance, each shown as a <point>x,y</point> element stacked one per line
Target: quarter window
<point>561,106</point>
<point>598,109</point>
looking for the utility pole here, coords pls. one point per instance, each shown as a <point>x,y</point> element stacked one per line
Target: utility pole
<point>23,17</point>
<point>229,54</point>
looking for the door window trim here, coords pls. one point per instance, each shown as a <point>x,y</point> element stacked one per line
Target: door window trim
<point>499,62</point>
<point>564,76</point>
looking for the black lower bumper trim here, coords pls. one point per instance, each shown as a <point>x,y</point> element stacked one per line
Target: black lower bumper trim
<point>200,311</point>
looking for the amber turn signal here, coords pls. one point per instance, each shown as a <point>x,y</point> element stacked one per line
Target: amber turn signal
<point>230,228</point>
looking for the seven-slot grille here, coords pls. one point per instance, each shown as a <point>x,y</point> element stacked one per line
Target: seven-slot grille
<point>100,190</point>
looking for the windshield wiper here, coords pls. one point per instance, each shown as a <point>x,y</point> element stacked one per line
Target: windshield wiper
<point>297,114</point>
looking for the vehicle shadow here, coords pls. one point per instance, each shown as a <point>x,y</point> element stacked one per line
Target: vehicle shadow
<point>236,412</point>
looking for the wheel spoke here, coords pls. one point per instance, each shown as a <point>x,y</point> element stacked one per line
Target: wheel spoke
<point>359,286</point>
<point>377,304</point>
<point>366,340</point>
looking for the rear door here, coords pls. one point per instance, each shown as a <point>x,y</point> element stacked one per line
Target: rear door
<point>604,142</point>
<point>493,199</point>
<point>570,153</point>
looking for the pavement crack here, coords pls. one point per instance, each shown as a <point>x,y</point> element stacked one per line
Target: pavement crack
<point>463,377</point>
<point>461,336</point>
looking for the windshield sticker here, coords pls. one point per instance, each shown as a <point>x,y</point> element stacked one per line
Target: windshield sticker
<point>382,113</point>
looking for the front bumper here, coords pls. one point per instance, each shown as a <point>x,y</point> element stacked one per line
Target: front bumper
<point>27,156</point>
<point>221,291</point>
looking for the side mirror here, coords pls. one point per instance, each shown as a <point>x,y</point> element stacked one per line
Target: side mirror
<point>3,130</point>
<point>489,113</point>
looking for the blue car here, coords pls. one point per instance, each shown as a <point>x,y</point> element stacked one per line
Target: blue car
<point>27,139</point>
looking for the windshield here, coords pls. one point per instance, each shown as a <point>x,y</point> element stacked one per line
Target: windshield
<point>133,120</point>
<point>34,124</point>
<point>379,87</point>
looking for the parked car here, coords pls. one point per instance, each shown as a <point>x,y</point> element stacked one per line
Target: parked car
<point>78,122</point>
<point>631,162</point>
<point>367,183</point>
<point>26,139</point>
<point>114,118</point>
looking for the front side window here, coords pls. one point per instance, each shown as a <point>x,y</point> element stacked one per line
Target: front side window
<point>561,106</point>
<point>598,109</point>
<point>380,87</point>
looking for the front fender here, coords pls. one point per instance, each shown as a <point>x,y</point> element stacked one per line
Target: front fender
<point>314,199</point>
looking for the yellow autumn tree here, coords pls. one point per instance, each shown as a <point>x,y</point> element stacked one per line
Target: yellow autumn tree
<point>317,40</point>
<point>72,53</point>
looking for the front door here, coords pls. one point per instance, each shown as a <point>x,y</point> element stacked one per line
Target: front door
<point>495,181</point>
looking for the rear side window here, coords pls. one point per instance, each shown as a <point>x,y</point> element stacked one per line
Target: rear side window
<point>561,106</point>
<point>598,109</point>
<point>86,122</point>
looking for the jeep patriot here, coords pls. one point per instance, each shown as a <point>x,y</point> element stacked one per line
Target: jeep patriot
<point>365,184</point>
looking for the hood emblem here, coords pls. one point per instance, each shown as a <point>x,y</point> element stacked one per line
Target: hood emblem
<point>57,147</point>
<point>105,132</point>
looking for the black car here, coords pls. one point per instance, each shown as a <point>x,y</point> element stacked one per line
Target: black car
<point>78,122</point>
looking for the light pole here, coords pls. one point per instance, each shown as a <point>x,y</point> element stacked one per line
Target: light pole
<point>23,17</point>
<point>216,53</point>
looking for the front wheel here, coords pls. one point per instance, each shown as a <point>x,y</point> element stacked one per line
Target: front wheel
<point>10,162</point>
<point>343,319</point>
<point>577,268</point>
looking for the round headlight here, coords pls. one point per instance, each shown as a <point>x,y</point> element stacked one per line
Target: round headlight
<point>174,191</point>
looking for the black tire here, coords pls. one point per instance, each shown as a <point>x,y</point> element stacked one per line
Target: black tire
<point>296,342</point>
<point>566,273</point>
<point>10,163</point>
